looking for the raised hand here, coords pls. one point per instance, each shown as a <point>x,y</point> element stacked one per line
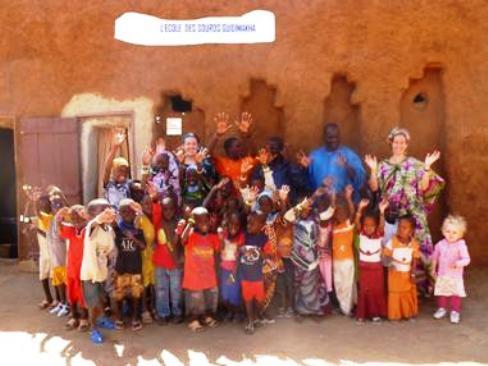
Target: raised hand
<point>283,192</point>
<point>222,123</point>
<point>118,137</point>
<point>306,203</point>
<point>303,159</point>
<point>147,155</point>
<point>431,159</point>
<point>363,203</point>
<point>36,193</point>
<point>348,191</point>
<point>180,154</point>
<point>201,155</point>
<point>244,125</point>
<point>180,227</point>
<point>160,145</point>
<point>136,207</point>
<point>109,215</point>
<point>31,192</point>
<point>371,162</point>
<point>383,205</point>
<point>246,166</point>
<point>320,191</point>
<point>62,214</point>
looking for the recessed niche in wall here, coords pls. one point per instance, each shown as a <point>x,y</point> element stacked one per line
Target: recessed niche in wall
<point>178,104</point>
<point>422,109</point>
<point>174,105</point>
<point>268,119</point>
<point>420,101</point>
<point>339,109</point>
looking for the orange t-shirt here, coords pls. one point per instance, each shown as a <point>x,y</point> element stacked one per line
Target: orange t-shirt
<point>343,241</point>
<point>227,167</point>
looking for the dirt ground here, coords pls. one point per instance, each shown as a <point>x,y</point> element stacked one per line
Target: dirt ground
<point>29,336</point>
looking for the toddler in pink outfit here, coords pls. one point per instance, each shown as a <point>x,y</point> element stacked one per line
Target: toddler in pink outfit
<point>448,261</point>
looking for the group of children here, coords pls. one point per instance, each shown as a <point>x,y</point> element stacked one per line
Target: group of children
<point>181,244</point>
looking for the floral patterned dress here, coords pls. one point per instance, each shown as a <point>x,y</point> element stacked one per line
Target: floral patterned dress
<point>401,184</point>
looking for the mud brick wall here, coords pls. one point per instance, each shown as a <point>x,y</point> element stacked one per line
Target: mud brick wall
<point>368,65</point>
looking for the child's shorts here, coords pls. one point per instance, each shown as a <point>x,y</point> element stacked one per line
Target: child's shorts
<point>93,292</point>
<point>230,288</point>
<point>252,290</point>
<point>127,285</point>
<point>58,275</point>
<point>201,302</point>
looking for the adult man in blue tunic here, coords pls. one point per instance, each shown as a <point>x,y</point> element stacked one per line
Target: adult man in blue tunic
<point>336,162</point>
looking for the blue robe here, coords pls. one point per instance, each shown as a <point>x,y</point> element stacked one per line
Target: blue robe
<point>325,164</point>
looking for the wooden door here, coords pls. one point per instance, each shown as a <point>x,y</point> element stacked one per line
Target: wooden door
<point>47,152</point>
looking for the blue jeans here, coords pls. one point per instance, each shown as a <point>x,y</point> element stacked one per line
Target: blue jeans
<point>168,291</point>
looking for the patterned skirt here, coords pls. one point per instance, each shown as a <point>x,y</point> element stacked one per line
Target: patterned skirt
<point>311,296</point>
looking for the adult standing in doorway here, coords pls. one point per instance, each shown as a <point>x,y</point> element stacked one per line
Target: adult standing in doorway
<point>411,187</point>
<point>335,162</point>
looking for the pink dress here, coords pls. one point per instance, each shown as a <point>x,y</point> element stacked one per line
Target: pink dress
<point>449,278</point>
<point>325,257</point>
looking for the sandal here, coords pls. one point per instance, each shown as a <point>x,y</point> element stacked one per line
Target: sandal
<point>136,325</point>
<point>146,317</point>
<point>119,324</point>
<point>83,327</point>
<point>249,328</point>
<point>210,322</point>
<point>105,323</point>
<point>44,304</point>
<point>71,324</point>
<point>96,337</point>
<point>195,326</point>
<point>53,305</point>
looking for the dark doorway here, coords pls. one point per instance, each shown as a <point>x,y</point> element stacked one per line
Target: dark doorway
<point>173,105</point>
<point>8,223</point>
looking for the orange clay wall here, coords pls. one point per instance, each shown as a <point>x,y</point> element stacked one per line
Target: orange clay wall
<point>360,62</point>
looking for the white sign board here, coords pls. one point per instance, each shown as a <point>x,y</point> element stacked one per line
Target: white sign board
<point>257,26</point>
<point>174,126</point>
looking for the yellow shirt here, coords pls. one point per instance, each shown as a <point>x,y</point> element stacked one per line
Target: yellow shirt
<point>44,221</point>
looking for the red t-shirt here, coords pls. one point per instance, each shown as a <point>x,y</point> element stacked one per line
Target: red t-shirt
<point>199,272</point>
<point>75,249</point>
<point>161,256</point>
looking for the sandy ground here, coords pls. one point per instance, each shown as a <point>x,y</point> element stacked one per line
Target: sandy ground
<point>30,336</point>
